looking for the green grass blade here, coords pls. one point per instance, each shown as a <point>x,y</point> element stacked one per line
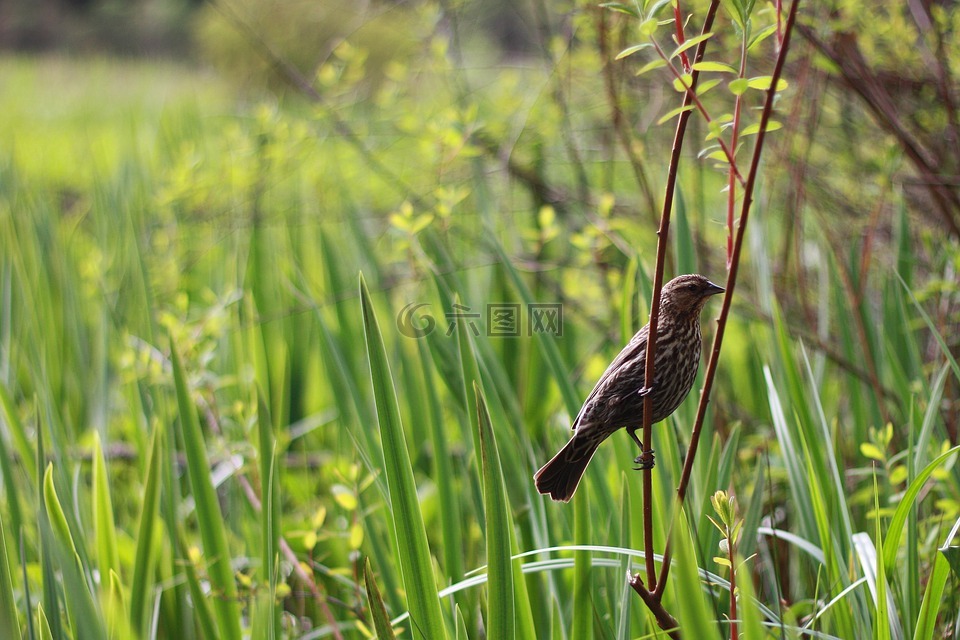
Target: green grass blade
<point>932,598</point>
<point>269,513</point>
<point>899,519</point>
<point>21,441</point>
<point>145,559</point>
<point>46,631</point>
<point>209,517</point>
<point>381,621</point>
<point>104,528</point>
<point>9,623</point>
<point>582,565</point>
<point>443,468</point>
<point>930,418</point>
<point>881,628</point>
<point>81,610</point>
<point>414,552</point>
<point>692,613</point>
<point>626,591</point>
<point>944,348</point>
<point>501,621</point>
<point>201,601</point>
<point>560,372</point>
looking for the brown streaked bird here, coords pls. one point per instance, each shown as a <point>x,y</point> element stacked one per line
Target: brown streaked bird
<point>616,401</point>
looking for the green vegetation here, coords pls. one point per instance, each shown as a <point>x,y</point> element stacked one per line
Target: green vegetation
<point>211,425</point>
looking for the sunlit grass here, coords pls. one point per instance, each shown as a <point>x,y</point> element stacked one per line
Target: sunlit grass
<point>266,430</point>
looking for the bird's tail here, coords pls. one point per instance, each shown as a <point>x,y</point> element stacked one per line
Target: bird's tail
<point>562,474</point>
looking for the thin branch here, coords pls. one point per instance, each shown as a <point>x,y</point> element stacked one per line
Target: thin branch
<point>662,240</point>
<point>730,285</point>
<point>690,91</point>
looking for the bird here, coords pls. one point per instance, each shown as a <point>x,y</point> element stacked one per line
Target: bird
<point>616,401</point>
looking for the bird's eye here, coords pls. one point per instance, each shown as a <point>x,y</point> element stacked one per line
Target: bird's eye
<point>691,287</point>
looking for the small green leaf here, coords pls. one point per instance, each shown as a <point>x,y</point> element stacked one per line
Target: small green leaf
<point>682,83</point>
<point>381,621</point>
<point>739,86</point>
<point>629,51</point>
<point>773,125</point>
<point>622,8</point>
<point>673,113</point>
<point>763,83</point>
<point>692,42</point>
<point>706,85</point>
<point>656,63</point>
<point>762,35</point>
<point>872,451</point>
<point>714,66</point>
<point>648,27</point>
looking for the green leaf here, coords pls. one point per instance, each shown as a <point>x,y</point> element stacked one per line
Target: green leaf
<point>656,63</point>
<point>687,44</point>
<point>762,35</point>
<point>269,515</point>
<point>145,559</point>
<point>872,451</point>
<point>381,622</point>
<point>739,86</point>
<point>674,113</point>
<point>682,83</point>
<point>754,128</point>
<point>763,83</point>
<point>648,27</point>
<point>501,621</point>
<point>705,86</point>
<point>933,597</point>
<point>9,622</point>
<point>583,606</point>
<point>721,67</point>
<point>629,51</point>
<point>209,516</point>
<point>414,552</point>
<point>620,7</point>
<point>104,529</point>
<point>895,528</point>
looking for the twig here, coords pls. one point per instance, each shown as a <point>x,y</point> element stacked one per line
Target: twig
<point>646,592</point>
<point>730,284</point>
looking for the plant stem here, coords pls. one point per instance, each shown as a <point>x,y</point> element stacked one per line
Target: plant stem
<point>690,92</point>
<point>655,312</point>
<point>733,587</point>
<point>731,282</point>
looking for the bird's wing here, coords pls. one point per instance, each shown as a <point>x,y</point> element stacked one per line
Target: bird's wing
<point>636,348</point>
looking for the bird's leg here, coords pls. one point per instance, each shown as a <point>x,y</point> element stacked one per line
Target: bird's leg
<point>645,459</point>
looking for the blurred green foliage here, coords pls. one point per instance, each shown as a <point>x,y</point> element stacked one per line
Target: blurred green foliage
<point>151,217</point>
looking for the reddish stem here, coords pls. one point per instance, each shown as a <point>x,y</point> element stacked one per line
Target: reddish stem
<point>678,20</point>
<point>691,92</point>
<point>662,234</point>
<point>730,285</point>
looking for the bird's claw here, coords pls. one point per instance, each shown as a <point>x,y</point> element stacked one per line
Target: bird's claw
<point>644,461</point>
<point>645,391</point>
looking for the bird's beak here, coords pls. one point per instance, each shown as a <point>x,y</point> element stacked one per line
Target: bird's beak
<point>712,289</point>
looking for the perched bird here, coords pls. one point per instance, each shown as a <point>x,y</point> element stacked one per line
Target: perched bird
<point>617,399</point>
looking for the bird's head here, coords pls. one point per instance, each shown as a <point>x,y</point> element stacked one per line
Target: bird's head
<point>686,295</point>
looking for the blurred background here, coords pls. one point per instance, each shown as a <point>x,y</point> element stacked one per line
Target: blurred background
<point>209,178</point>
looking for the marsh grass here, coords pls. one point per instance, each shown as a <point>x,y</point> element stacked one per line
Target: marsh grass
<point>209,430</point>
